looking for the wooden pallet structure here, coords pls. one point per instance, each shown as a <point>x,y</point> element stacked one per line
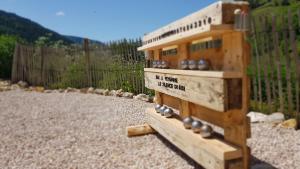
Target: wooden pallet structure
<point>219,96</point>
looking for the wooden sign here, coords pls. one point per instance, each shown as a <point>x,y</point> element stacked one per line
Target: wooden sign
<point>206,91</point>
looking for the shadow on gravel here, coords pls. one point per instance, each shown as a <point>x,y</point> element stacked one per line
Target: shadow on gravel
<point>255,162</point>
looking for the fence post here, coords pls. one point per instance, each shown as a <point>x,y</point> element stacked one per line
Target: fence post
<point>41,81</point>
<point>88,63</point>
<point>14,71</point>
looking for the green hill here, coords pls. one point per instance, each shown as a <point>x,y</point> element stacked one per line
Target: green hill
<point>12,24</point>
<point>30,31</point>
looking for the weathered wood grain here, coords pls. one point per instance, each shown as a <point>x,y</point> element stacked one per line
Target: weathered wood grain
<point>205,91</point>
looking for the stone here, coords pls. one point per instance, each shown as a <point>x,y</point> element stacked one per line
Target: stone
<point>61,90</point>
<point>142,97</point>
<point>91,90</point>
<point>69,90</point>
<point>128,95</point>
<point>48,91</point>
<point>15,87</point>
<point>23,84</point>
<point>289,124</point>
<point>39,89</point>
<point>256,117</point>
<point>104,92</point>
<point>275,118</point>
<point>84,90</point>
<point>117,93</point>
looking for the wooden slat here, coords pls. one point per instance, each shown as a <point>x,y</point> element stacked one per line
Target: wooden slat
<point>210,74</point>
<point>278,62</point>
<point>139,130</point>
<point>288,68</point>
<point>210,153</point>
<point>212,30</point>
<point>209,92</point>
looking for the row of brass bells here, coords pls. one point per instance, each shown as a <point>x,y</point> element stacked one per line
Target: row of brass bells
<point>205,131</point>
<point>194,65</point>
<point>164,111</point>
<point>160,64</point>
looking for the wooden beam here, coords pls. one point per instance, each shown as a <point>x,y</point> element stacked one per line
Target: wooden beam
<point>212,74</point>
<point>209,92</point>
<point>210,153</point>
<point>139,130</point>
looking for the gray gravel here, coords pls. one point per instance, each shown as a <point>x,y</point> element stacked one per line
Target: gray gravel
<point>85,131</point>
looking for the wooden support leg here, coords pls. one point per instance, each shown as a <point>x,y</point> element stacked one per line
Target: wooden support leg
<point>184,109</point>
<point>238,135</point>
<point>158,98</point>
<point>139,130</point>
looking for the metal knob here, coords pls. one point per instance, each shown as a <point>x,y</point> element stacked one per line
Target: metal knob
<point>168,113</point>
<point>164,65</point>
<point>206,131</point>
<point>196,126</point>
<point>187,122</point>
<point>162,110</point>
<point>184,64</point>
<point>203,64</point>
<point>157,108</point>
<point>192,65</point>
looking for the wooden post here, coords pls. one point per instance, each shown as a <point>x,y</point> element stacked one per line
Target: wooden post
<point>14,72</point>
<point>41,81</point>
<point>278,62</point>
<point>87,59</point>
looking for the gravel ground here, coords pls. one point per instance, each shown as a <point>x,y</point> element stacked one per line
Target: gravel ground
<point>88,131</point>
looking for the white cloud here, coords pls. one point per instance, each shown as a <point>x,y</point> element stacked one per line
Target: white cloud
<point>60,13</point>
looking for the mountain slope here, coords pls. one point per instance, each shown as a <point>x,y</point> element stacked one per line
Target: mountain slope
<point>12,24</point>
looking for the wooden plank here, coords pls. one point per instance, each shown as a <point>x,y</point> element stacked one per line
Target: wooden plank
<point>139,130</point>
<point>258,65</point>
<point>208,92</point>
<point>210,153</point>
<point>210,74</point>
<point>211,30</point>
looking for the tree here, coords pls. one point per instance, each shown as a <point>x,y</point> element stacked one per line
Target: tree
<point>7,46</point>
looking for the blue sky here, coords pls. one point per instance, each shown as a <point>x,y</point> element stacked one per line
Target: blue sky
<point>103,20</point>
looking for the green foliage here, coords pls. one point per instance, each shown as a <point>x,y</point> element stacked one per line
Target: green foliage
<point>7,46</point>
<point>46,41</point>
<point>73,76</point>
